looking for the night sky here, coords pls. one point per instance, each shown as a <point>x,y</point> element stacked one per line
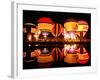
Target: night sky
<point>57,17</point>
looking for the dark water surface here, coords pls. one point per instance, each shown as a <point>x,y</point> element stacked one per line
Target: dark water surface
<point>56,55</point>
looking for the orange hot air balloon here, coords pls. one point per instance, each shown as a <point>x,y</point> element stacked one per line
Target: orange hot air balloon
<point>71,58</point>
<point>57,30</point>
<point>70,25</point>
<point>82,27</point>
<point>45,58</point>
<point>45,24</point>
<point>83,58</point>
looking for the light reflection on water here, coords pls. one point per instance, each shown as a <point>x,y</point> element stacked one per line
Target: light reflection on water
<point>67,55</point>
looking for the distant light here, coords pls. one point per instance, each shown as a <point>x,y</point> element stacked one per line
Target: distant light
<point>29,45</point>
<point>36,36</point>
<point>70,48</point>
<point>29,37</point>
<point>45,34</point>
<point>37,45</point>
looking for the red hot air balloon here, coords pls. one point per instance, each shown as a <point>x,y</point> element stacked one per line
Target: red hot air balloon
<point>82,58</point>
<point>57,54</point>
<point>45,24</point>
<point>57,30</point>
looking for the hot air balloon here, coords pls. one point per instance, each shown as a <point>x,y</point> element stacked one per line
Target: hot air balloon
<point>82,28</point>
<point>83,58</point>
<point>70,55</point>
<point>69,48</point>
<point>45,56</point>
<point>70,28</point>
<point>28,27</point>
<point>57,54</point>
<point>71,58</point>
<point>57,30</point>
<point>70,25</point>
<point>45,25</point>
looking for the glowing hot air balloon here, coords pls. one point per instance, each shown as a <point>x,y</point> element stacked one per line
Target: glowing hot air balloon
<point>71,58</point>
<point>70,55</point>
<point>57,30</point>
<point>83,57</point>
<point>45,25</point>
<point>70,28</point>
<point>28,27</point>
<point>45,56</point>
<point>70,25</point>
<point>57,54</point>
<point>82,28</point>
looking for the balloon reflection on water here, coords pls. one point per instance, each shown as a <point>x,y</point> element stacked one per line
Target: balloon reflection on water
<point>70,54</point>
<point>73,54</point>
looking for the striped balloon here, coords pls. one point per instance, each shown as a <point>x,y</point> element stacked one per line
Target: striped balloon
<point>57,30</point>
<point>57,54</point>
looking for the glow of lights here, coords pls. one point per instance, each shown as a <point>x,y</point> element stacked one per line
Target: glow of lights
<point>29,45</point>
<point>69,36</point>
<point>74,46</point>
<point>36,36</point>
<point>70,48</point>
<point>45,50</point>
<point>66,36</point>
<point>66,47</point>
<point>45,34</point>
<point>72,35</point>
<point>39,32</point>
<point>29,37</point>
<point>24,30</point>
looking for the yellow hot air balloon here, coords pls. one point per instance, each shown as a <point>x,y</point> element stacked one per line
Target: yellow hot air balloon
<point>70,28</point>
<point>71,58</point>
<point>70,55</point>
<point>82,27</point>
<point>71,25</point>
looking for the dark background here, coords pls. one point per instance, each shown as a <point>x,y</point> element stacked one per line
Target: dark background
<point>57,17</point>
